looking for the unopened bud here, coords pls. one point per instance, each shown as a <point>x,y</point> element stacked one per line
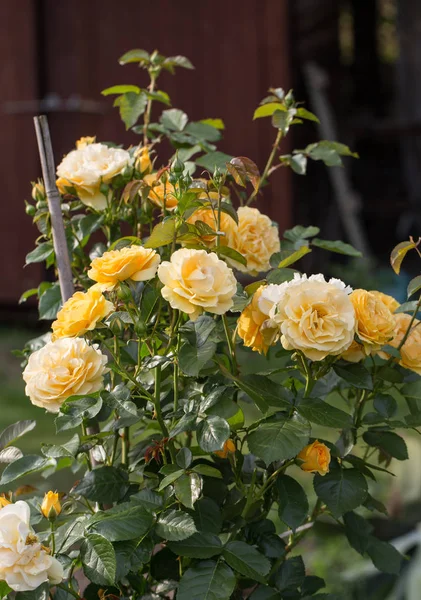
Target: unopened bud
<point>51,507</point>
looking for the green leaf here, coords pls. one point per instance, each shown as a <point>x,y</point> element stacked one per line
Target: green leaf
<point>328,152</point>
<point>184,458</point>
<point>227,252</point>
<point>131,106</point>
<point>267,110</point>
<point>312,584</point>
<point>175,525</point>
<point>414,285</point>
<point>75,409</point>
<point>122,522</point>
<point>355,374</point>
<point>407,307</point>
<point>282,119</point>
<point>322,413</point>
<point>242,170</point>
<point>50,303</point>
<point>357,530</point>
<point>265,593</point>
<point>217,123</point>
<point>137,55</point>
<point>130,556</point>
<point>25,466</point>
<point>5,589</point>
<point>203,132</point>
<point>385,557</point>
<point>248,561</point>
<point>385,405</point>
<point>64,450</point>
<point>104,483</point>
<point>41,253</point>
<point>28,294</point>
<point>300,233</point>
<point>207,516</point>
<point>174,119</point>
<point>188,489</point>
<point>170,478</point>
<point>98,559</point>
<point>89,224</point>
<point>341,490</point>
<point>264,392</point>
<point>177,61</point>
<point>207,580</point>
<point>294,257</point>
<point>388,442</point>
<point>280,275</point>
<point>192,358</point>
<point>15,431</point>
<point>303,113</point>
<point>398,254</point>
<point>336,246</point>
<point>290,575</point>
<point>200,545</point>
<point>162,234</point>
<point>212,433</point>
<point>292,501</point>
<point>207,471</point>
<point>159,96</point>
<point>149,499</point>
<point>42,592</point>
<point>213,160</point>
<point>121,89</point>
<point>279,438</point>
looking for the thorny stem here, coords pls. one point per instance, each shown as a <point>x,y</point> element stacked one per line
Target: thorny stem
<point>158,411</point>
<point>267,167</point>
<point>147,117</point>
<point>231,343</point>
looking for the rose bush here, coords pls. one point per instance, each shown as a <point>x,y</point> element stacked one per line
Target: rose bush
<point>202,407</point>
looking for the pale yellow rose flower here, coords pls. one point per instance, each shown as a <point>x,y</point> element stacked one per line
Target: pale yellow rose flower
<point>51,505</point>
<point>316,458</point>
<point>81,313</point>
<point>143,161</point>
<point>256,238</point>
<point>160,192</point>
<point>132,262</point>
<point>195,281</point>
<point>210,217</point>
<point>390,302</point>
<point>411,350</point>
<point>375,322</point>
<point>87,167</point>
<point>250,322</point>
<point>85,141</point>
<point>355,353</point>
<point>314,316</point>
<point>64,368</point>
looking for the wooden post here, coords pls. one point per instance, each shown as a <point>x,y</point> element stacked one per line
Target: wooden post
<point>59,237</point>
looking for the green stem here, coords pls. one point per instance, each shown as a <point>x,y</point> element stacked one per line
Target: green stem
<point>125,445</point>
<point>53,538</point>
<point>267,167</point>
<point>176,374</point>
<point>158,411</point>
<point>271,480</point>
<point>231,344</point>
<point>69,591</point>
<point>147,117</point>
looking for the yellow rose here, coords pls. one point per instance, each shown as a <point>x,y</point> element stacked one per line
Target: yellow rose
<point>89,166</point>
<point>85,141</point>
<point>81,313</point>
<point>375,322</point>
<point>314,316</point>
<point>411,350</point>
<point>228,448</point>
<point>132,262</point>
<point>195,281</point>
<point>355,353</point>
<point>210,217</point>
<point>161,191</point>
<point>51,506</point>
<point>390,302</point>
<point>143,161</point>
<point>256,238</point>
<point>250,323</point>
<point>38,191</point>
<point>316,458</point>
<point>4,502</point>
<point>64,368</point>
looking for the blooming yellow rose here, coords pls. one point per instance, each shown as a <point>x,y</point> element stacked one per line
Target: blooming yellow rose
<point>256,238</point>
<point>355,353</point>
<point>161,192</point>
<point>132,262</point>
<point>228,448</point>
<point>51,506</point>
<point>143,161</point>
<point>81,313</point>
<point>250,324</point>
<point>316,458</point>
<point>195,281</point>
<point>375,322</point>
<point>390,302</point>
<point>411,350</point>
<point>64,368</point>
<point>85,141</point>
<point>89,166</point>
<point>210,217</point>
<point>314,316</point>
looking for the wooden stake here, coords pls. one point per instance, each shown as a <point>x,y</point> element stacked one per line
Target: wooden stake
<point>59,237</point>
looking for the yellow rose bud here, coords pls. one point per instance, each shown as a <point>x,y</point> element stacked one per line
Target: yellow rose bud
<point>210,217</point>
<point>228,448</point>
<point>315,457</point>
<point>143,161</point>
<point>4,502</point>
<point>38,190</point>
<point>85,141</point>
<point>51,507</point>
<point>160,193</point>
<point>375,322</point>
<point>81,313</point>
<point>132,262</point>
<point>250,324</point>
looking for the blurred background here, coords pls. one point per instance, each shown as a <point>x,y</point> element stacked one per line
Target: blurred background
<point>355,63</point>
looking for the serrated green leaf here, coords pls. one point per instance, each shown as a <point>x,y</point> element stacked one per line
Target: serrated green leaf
<point>25,466</point>
<point>212,433</point>
<point>322,413</point>
<point>174,119</point>
<point>267,110</point>
<point>15,431</point>
<point>357,530</point>
<point>175,526</point>
<point>122,522</point>
<point>41,253</point>
<point>246,560</point>
<point>98,559</point>
<point>50,303</point>
<point>279,438</point>
<point>387,442</point>
<point>213,160</point>
<point>207,580</point>
<point>385,557</point>
<point>336,246</point>
<point>355,374</point>
<point>292,501</point>
<point>414,285</point>
<point>137,55</point>
<point>121,89</point>
<point>398,254</point>
<point>131,106</point>
<point>162,234</point>
<point>188,488</point>
<point>103,483</point>
<point>342,490</point>
<point>200,545</point>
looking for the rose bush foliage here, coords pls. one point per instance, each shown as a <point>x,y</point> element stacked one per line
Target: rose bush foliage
<point>201,379</point>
